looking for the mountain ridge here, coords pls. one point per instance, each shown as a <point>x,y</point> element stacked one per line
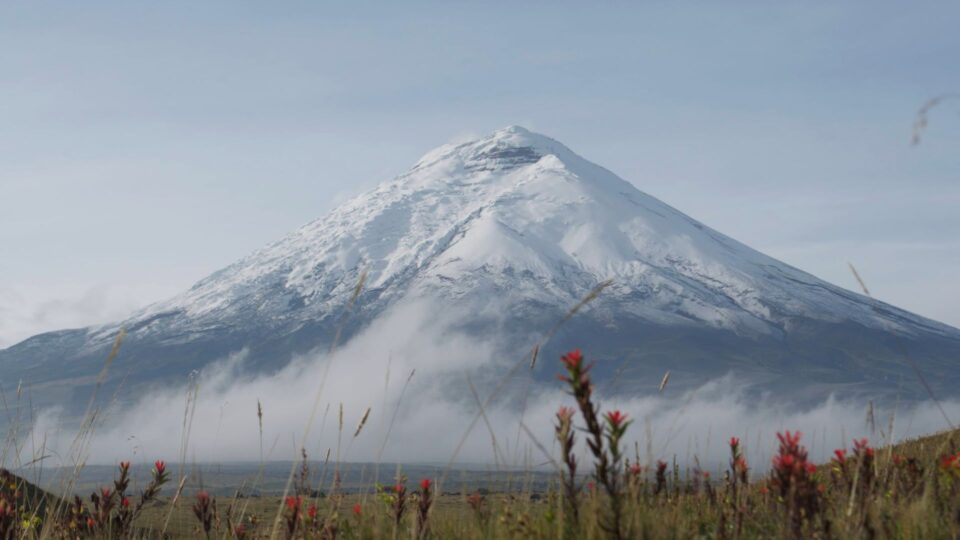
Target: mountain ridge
<point>514,216</point>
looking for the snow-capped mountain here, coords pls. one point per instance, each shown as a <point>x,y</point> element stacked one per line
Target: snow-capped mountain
<point>518,220</point>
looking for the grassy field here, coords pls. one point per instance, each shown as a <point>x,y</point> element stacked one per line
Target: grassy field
<point>906,491</point>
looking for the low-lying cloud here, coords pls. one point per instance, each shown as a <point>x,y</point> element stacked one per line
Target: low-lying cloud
<point>423,382</point>
<point>26,312</point>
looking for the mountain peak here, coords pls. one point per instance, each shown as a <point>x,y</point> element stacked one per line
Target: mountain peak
<point>504,149</point>
<point>520,212</point>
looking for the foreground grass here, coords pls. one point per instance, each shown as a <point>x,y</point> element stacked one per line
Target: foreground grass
<point>909,491</point>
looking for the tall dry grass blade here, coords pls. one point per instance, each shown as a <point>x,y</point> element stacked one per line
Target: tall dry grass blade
<point>363,420</point>
<point>856,275</point>
<point>357,289</point>
<point>497,457</point>
<point>540,447</point>
<point>393,420</point>
<point>173,506</point>
<point>912,362</point>
<point>189,411</point>
<point>591,296</point>
<point>114,351</point>
<point>81,442</point>
<point>260,425</point>
<point>663,382</point>
<point>922,120</point>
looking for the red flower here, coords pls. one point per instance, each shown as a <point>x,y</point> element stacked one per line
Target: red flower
<point>636,469</point>
<point>706,475</point>
<point>784,462</point>
<point>591,486</point>
<point>572,360</point>
<point>125,502</point>
<point>616,418</point>
<point>862,448</point>
<point>124,465</point>
<point>951,463</point>
<point>840,456</point>
<point>734,443</point>
<point>312,511</point>
<point>293,503</point>
<point>357,509</point>
<point>811,468</point>
<point>425,484</point>
<point>160,467</point>
<point>789,441</point>
<point>399,488</point>
<point>203,498</point>
<point>106,493</point>
<point>565,414</point>
<point>91,523</point>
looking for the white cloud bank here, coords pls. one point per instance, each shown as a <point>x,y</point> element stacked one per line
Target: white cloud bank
<point>436,409</point>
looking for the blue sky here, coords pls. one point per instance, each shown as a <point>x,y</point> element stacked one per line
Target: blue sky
<point>144,145</point>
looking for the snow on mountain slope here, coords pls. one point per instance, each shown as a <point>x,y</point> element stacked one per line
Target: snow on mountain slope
<point>516,212</point>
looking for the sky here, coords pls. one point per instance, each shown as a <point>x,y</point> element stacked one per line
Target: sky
<point>145,145</point>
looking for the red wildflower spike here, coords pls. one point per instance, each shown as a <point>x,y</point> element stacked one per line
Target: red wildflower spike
<point>734,443</point>
<point>951,463</point>
<point>840,456</point>
<point>125,502</point>
<point>616,418</point>
<point>565,413</point>
<point>425,484</point>
<point>203,497</point>
<point>160,467</point>
<point>572,360</point>
<point>106,493</point>
<point>784,462</point>
<point>357,509</point>
<point>91,523</point>
<point>124,465</point>
<point>312,511</point>
<point>293,503</point>
<point>789,440</point>
<point>811,468</point>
